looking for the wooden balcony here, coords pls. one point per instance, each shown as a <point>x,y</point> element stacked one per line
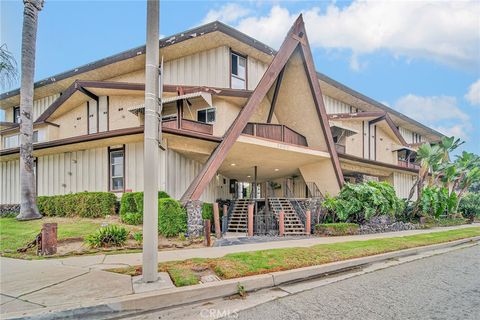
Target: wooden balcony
<point>406,164</point>
<point>276,132</point>
<point>187,124</point>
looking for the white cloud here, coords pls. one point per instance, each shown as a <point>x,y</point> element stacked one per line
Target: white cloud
<point>228,13</point>
<point>440,112</point>
<point>442,31</point>
<point>473,94</point>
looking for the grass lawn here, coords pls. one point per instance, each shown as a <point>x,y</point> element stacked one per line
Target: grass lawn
<point>15,234</point>
<point>257,262</point>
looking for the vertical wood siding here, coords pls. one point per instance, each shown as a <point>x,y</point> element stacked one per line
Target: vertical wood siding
<point>40,105</point>
<point>10,182</point>
<point>255,69</point>
<point>206,68</point>
<point>335,106</point>
<point>403,182</point>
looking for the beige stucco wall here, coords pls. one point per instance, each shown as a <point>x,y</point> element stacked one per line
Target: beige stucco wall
<point>384,146</point>
<point>323,175</point>
<point>119,116</point>
<point>72,123</point>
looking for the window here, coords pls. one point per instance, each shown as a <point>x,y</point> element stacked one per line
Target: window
<point>238,72</point>
<point>117,162</point>
<point>206,115</point>
<point>38,136</point>
<point>11,141</point>
<point>16,114</point>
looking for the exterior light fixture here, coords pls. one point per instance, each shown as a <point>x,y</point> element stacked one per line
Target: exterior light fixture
<point>233,164</point>
<point>249,176</point>
<point>277,169</point>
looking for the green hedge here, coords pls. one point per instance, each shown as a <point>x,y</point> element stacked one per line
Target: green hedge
<point>82,204</point>
<point>172,218</point>
<point>207,211</point>
<point>131,206</point>
<point>470,206</point>
<point>336,229</point>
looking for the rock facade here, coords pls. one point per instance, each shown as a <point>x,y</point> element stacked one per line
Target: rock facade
<point>385,224</point>
<point>9,209</point>
<point>194,218</point>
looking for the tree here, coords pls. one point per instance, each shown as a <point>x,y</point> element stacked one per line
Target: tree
<point>8,67</point>
<point>28,205</point>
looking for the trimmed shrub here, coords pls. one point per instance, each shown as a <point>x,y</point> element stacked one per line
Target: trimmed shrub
<point>360,202</point>
<point>172,218</point>
<point>108,236</point>
<point>133,218</point>
<point>132,202</point>
<point>82,204</point>
<point>336,229</point>
<point>470,206</point>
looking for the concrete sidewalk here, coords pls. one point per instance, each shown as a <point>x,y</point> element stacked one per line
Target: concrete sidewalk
<point>27,285</point>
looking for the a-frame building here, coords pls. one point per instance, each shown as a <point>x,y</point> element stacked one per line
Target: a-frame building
<point>287,99</point>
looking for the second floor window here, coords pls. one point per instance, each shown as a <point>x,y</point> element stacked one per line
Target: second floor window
<point>238,71</point>
<point>206,115</point>
<point>11,141</point>
<point>117,162</point>
<point>16,115</point>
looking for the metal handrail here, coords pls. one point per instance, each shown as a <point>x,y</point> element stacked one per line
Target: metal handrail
<point>296,205</point>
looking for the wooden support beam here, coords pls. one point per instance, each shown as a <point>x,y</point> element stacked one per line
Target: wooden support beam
<point>216,218</point>
<point>275,95</point>
<point>215,160</point>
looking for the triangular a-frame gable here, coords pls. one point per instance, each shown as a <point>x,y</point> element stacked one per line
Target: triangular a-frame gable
<point>296,38</point>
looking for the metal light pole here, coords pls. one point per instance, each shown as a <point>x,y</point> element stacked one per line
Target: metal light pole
<point>151,145</point>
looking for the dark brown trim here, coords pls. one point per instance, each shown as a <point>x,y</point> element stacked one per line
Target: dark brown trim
<point>88,117</point>
<point>392,126</point>
<point>375,143</point>
<point>110,134</point>
<point>291,42</point>
<point>376,163</point>
<point>52,124</point>
<point>16,127</point>
<point>108,113</point>
<point>199,183</point>
<point>109,149</point>
<point>363,139</point>
<point>79,85</point>
<point>275,95</point>
<point>165,42</point>
<point>87,93</point>
<point>309,65</point>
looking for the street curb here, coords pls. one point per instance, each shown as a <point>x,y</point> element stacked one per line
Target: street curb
<point>143,302</point>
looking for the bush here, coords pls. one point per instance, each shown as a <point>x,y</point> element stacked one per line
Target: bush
<point>207,211</point>
<point>336,229</point>
<point>436,201</point>
<point>111,235</point>
<point>132,202</point>
<point>82,204</point>
<point>360,202</point>
<point>470,206</point>
<point>133,218</point>
<point>172,218</point>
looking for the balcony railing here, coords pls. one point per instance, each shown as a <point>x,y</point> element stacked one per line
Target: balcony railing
<point>406,164</point>
<point>189,125</point>
<point>340,148</point>
<point>276,132</point>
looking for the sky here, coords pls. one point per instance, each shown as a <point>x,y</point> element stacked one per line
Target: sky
<point>421,58</point>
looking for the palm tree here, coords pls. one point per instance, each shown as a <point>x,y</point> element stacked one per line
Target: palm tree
<point>468,166</point>
<point>28,205</point>
<point>8,67</point>
<point>430,158</point>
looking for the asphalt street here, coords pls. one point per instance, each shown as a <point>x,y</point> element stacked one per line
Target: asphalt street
<point>445,286</point>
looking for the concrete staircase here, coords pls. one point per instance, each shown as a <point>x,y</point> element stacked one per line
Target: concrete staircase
<point>239,216</point>
<point>293,224</point>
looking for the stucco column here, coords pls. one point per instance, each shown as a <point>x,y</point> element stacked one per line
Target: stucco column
<point>194,218</point>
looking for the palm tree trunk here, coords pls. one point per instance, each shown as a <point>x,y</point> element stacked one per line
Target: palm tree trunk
<point>28,205</point>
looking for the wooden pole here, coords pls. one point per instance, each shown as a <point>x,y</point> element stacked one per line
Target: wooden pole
<point>250,220</point>
<point>216,218</point>
<point>49,239</point>
<point>151,149</point>
<point>206,227</point>
<point>281,223</point>
<point>308,222</point>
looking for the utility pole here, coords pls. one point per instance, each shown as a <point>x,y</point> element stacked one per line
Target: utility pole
<point>151,145</point>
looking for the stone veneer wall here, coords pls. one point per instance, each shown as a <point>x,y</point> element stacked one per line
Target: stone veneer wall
<point>194,218</point>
